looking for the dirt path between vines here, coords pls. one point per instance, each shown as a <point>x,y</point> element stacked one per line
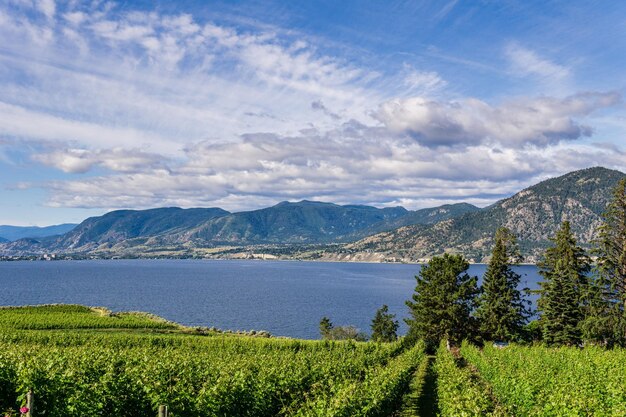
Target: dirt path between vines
<point>421,400</point>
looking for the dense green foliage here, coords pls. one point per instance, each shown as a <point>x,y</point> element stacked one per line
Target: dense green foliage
<point>460,391</point>
<point>502,311</point>
<point>564,269</point>
<point>216,376</point>
<point>127,372</point>
<point>443,300</point>
<point>378,394</point>
<point>540,381</point>
<point>606,321</point>
<point>384,326</point>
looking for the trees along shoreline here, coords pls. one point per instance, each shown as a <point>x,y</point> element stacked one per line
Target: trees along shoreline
<point>579,303</point>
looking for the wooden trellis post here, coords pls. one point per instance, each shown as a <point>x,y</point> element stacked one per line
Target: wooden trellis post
<point>30,403</point>
<point>163,412</point>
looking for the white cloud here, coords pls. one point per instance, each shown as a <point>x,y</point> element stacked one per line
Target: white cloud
<point>77,161</point>
<point>527,62</point>
<point>149,78</point>
<point>47,7</point>
<point>24,124</point>
<point>353,164</point>
<point>423,82</point>
<point>166,110</point>
<point>538,121</point>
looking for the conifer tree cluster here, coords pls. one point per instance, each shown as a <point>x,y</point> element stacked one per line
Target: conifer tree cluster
<point>606,304</point>
<point>577,303</point>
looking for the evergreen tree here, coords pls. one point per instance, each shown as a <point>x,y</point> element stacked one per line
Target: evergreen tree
<point>606,319</point>
<point>502,312</point>
<point>384,327</point>
<point>444,298</point>
<point>561,302</point>
<point>326,326</point>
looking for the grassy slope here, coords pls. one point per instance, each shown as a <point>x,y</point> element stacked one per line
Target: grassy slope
<point>62,316</point>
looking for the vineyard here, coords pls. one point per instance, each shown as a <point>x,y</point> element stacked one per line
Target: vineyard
<point>531,381</point>
<point>112,371</point>
<point>91,362</point>
<point>540,381</point>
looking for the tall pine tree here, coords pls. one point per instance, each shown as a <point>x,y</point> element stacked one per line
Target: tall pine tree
<point>502,311</point>
<point>606,321</point>
<point>564,268</point>
<point>444,298</point>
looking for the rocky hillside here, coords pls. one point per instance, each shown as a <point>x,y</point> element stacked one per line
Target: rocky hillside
<point>426,216</point>
<point>532,214</point>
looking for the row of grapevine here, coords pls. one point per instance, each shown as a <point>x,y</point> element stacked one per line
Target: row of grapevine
<point>460,392</point>
<point>542,381</point>
<point>64,316</point>
<point>94,374</point>
<point>378,394</point>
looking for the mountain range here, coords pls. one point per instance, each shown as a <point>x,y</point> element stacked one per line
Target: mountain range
<point>311,229</point>
<point>11,233</point>
<point>533,214</point>
<point>136,232</point>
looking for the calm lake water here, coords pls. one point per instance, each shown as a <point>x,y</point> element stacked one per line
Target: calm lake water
<point>285,298</point>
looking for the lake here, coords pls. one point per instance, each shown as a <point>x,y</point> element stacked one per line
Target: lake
<point>284,298</point>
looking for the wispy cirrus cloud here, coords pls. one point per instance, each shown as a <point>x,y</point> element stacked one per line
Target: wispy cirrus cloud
<point>423,82</point>
<point>162,108</point>
<point>165,74</point>
<point>525,62</point>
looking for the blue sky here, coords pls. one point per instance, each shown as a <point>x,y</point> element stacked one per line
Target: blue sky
<point>243,104</point>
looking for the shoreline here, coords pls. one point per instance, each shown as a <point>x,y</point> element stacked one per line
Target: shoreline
<point>240,260</point>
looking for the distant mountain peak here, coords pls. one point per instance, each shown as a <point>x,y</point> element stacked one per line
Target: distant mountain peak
<point>11,233</point>
<point>305,203</point>
<point>533,214</point>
